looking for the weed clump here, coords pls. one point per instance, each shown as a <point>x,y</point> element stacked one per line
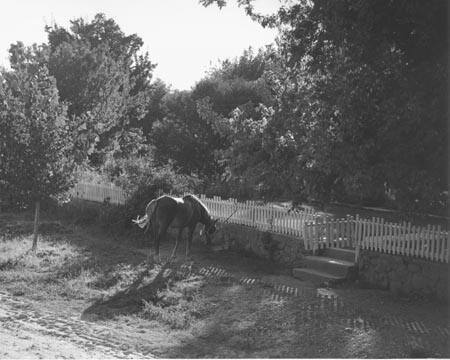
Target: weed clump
<point>180,304</point>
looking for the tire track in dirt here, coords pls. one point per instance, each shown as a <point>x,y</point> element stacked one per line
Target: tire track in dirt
<point>418,334</point>
<point>88,335</point>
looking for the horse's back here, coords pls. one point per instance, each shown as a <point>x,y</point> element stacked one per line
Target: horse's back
<point>173,210</point>
<point>169,200</point>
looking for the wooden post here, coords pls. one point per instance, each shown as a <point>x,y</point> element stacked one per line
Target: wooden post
<point>433,240</point>
<point>440,255</point>
<point>408,239</point>
<point>271,217</point>
<point>358,237</point>
<point>445,246</point>
<point>413,240</point>
<point>36,224</point>
<point>383,236</point>
<point>428,242</point>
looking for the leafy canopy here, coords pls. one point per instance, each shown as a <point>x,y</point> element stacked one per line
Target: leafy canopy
<point>36,150</point>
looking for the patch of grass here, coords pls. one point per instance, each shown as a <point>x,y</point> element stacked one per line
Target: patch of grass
<point>12,253</point>
<point>68,263</point>
<point>180,305</point>
<point>20,227</point>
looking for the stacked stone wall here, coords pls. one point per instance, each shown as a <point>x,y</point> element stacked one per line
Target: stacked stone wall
<point>282,249</point>
<point>404,275</point>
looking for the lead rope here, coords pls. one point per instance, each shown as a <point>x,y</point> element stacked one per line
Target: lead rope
<point>228,218</point>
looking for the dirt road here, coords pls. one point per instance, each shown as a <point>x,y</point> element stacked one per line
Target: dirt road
<point>27,333</point>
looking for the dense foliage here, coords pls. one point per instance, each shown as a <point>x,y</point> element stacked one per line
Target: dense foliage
<point>349,105</point>
<point>361,95</point>
<point>36,158</point>
<point>106,83</point>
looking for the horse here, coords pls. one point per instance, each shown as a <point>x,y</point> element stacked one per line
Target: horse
<point>179,213</point>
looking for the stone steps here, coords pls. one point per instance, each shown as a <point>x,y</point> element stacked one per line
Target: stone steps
<point>325,264</point>
<point>317,277</point>
<point>337,253</point>
<point>337,266</point>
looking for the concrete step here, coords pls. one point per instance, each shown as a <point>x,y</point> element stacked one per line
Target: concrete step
<point>332,266</point>
<point>316,276</point>
<point>341,254</point>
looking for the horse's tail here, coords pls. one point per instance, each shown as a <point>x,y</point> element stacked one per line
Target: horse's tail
<point>150,212</point>
<point>142,222</point>
<point>145,221</point>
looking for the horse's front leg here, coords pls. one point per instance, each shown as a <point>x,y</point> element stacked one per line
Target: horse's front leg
<point>177,241</point>
<point>160,233</point>
<point>154,233</point>
<point>189,242</point>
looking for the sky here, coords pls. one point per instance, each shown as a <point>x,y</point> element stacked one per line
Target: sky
<point>184,38</point>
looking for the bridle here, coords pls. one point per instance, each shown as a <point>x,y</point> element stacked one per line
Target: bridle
<point>215,221</point>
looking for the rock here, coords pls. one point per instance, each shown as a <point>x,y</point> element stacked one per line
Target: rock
<point>395,277</point>
<point>442,292</point>
<point>414,268</point>
<point>407,287</point>
<point>384,283</point>
<point>396,287</point>
<point>418,282</point>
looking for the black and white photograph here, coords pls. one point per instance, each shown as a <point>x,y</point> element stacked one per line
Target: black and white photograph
<point>226,179</point>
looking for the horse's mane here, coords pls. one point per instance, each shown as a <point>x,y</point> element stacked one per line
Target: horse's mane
<point>202,206</point>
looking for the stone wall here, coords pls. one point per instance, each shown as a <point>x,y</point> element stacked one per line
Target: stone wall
<point>283,249</point>
<point>404,275</point>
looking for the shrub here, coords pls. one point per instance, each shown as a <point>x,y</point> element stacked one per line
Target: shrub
<point>143,181</point>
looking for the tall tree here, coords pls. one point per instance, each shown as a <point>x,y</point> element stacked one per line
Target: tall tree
<point>104,79</point>
<point>36,152</point>
<point>363,96</point>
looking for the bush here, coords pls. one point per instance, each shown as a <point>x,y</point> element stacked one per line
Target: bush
<point>133,173</point>
<point>79,212</point>
<point>143,182</point>
<point>140,179</point>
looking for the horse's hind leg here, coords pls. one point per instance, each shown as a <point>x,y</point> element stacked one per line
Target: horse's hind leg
<point>158,237</point>
<point>177,242</point>
<point>154,235</point>
<point>189,242</point>
<point>161,235</point>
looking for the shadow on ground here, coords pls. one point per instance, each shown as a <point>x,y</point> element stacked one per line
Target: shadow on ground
<point>131,299</point>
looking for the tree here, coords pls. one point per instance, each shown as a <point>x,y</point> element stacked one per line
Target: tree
<point>36,151</point>
<point>364,98</point>
<point>234,100</point>
<point>378,94</point>
<point>105,81</point>
<point>183,137</point>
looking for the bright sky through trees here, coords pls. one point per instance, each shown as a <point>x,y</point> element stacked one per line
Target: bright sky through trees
<point>181,36</point>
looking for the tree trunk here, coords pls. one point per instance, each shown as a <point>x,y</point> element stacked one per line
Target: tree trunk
<point>36,225</point>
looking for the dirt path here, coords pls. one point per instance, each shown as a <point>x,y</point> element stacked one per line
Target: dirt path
<point>27,333</point>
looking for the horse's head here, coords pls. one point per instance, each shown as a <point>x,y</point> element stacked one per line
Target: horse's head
<point>209,229</point>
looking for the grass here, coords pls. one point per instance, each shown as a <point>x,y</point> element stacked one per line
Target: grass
<point>176,312</point>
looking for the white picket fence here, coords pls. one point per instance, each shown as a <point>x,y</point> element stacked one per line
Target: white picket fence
<point>330,233</point>
<point>99,193</point>
<point>430,242</point>
<point>317,232</point>
<point>263,217</point>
